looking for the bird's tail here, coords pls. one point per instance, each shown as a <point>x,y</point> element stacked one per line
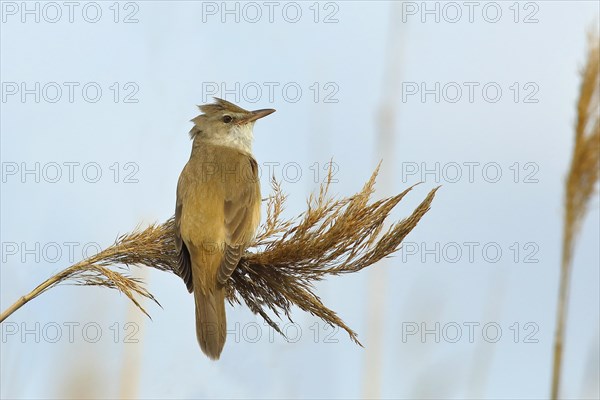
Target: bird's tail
<point>211,323</point>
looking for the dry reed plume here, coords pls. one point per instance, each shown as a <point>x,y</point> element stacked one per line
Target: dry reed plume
<point>580,186</point>
<point>331,237</point>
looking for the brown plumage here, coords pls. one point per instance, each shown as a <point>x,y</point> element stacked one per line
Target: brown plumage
<point>217,212</point>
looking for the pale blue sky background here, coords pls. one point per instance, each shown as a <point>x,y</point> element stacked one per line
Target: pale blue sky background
<point>169,56</point>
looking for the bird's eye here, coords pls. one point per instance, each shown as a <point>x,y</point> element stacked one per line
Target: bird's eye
<point>227,119</point>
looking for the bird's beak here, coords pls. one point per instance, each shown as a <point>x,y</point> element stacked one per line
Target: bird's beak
<point>254,115</point>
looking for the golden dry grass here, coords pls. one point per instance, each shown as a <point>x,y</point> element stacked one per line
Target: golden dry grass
<point>331,237</point>
<point>580,186</point>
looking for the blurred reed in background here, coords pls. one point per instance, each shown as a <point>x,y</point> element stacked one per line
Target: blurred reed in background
<point>580,185</point>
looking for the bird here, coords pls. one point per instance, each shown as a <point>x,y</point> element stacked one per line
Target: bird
<point>217,212</point>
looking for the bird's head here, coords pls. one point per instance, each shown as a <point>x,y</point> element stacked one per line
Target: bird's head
<point>224,123</point>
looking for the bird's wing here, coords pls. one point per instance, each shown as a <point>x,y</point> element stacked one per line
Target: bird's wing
<point>183,255</point>
<point>242,215</point>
